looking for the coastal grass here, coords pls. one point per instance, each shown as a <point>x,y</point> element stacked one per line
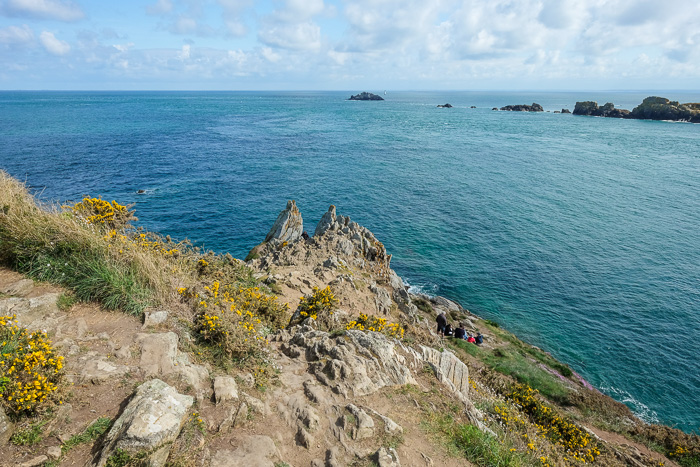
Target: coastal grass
<point>514,364</point>
<point>52,245</point>
<point>468,441</point>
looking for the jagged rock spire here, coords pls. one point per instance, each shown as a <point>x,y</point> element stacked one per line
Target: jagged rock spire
<point>288,226</point>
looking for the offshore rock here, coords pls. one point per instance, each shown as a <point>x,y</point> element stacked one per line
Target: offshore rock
<point>288,227</point>
<point>366,96</point>
<point>444,106</point>
<point>150,423</point>
<point>592,109</point>
<point>660,108</point>
<point>523,108</point>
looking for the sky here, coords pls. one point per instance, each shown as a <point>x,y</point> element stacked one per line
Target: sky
<point>359,45</point>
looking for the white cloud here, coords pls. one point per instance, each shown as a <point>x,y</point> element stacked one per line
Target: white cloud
<point>43,9</point>
<point>53,45</point>
<point>302,36</point>
<point>161,7</point>
<point>16,36</point>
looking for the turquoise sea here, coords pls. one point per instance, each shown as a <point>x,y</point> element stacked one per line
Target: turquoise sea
<point>579,234</point>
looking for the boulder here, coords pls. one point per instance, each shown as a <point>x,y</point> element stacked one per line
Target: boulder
<point>153,318</point>
<point>6,428</point>
<point>225,388</point>
<point>366,96</point>
<point>387,457</point>
<point>150,422</point>
<point>288,227</point>
<point>565,111</point>
<point>444,106</point>
<point>523,108</point>
<point>99,370</point>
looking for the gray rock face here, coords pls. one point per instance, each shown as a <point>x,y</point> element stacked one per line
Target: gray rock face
<point>254,451</point>
<point>153,318</point>
<point>327,222</point>
<point>288,227</point>
<point>100,370</point>
<point>387,457</point>
<point>357,364</point>
<point>225,388</point>
<point>21,287</point>
<point>150,422</point>
<point>6,428</point>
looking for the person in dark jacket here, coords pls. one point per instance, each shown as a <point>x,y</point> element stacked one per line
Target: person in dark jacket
<point>441,323</point>
<point>448,330</point>
<point>479,339</point>
<point>460,332</point>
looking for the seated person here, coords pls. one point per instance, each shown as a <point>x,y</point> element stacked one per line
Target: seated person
<point>448,330</point>
<point>479,339</point>
<point>460,333</point>
<point>471,339</point>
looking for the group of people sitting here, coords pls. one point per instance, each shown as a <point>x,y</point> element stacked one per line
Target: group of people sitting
<point>444,328</point>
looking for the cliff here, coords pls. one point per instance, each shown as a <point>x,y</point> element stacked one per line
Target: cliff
<point>311,353</point>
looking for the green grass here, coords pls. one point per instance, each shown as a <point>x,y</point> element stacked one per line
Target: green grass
<point>476,446</point>
<point>472,349</point>
<point>512,363</point>
<point>422,304</point>
<point>30,435</point>
<point>91,433</point>
<point>66,301</point>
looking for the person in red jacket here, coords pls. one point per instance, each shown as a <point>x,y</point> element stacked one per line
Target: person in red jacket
<point>471,339</point>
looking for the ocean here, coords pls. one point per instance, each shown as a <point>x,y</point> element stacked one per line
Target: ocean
<point>579,234</point>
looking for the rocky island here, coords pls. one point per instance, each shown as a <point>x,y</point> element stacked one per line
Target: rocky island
<point>523,108</point>
<point>311,352</point>
<point>651,108</point>
<point>366,96</point>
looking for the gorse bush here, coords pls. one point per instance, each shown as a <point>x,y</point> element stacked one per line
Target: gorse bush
<point>236,320</point>
<point>30,369</point>
<point>319,305</point>
<point>578,444</point>
<point>366,322</point>
<point>103,213</point>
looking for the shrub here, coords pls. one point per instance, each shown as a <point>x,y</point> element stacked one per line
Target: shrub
<point>236,320</point>
<point>320,306</point>
<point>102,213</point>
<point>29,367</point>
<point>553,426</point>
<point>372,323</point>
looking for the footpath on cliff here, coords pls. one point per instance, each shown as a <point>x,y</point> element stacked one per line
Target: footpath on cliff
<point>356,374</point>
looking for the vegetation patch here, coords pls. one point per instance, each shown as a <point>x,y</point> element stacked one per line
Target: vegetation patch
<point>30,369</point>
<point>90,434</point>
<point>366,322</point>
<point>235,320</point>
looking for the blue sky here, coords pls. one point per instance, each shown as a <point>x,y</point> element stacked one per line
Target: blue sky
<point>350,45</point>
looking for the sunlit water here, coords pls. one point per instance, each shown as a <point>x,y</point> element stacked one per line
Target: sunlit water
<point>580,234</point>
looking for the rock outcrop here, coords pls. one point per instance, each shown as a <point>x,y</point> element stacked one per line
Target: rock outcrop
<point>523,108</point>
<point>652,108</point>
<point>660,108</point>
<point>288,227</point>
<point>592,109</point>
<point>445,106</point>
<point>366,96</point>
<point>149,424</point>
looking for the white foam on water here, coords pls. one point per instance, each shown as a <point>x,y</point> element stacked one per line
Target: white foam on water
<point>640,409</point>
